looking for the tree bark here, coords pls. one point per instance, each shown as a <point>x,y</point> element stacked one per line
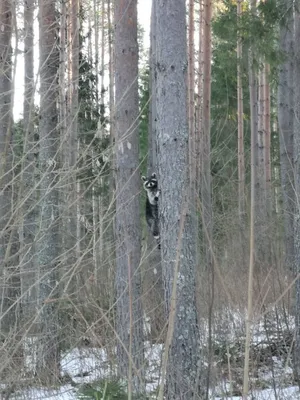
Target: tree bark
<point>296,155</point>
<point>286,131</point>
<point>254,134</point>
<point>129,318</point>
<point>48,237</point>
<point>28,267</point>
<point>8,261</point>
<point>177,221</point>
<point>205,174</point>
<point>268,137</point>
<point>260,191</point>
<point>73,246</point>
<point>153,276</point>
<point>241,156</point>
<point>191,97</point>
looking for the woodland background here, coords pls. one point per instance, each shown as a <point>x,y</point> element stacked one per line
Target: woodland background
<point>213,107</point>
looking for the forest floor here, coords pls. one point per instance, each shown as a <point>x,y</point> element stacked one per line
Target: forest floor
<point>271,375</point>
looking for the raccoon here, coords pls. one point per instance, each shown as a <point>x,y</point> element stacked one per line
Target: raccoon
<point>152,217</point>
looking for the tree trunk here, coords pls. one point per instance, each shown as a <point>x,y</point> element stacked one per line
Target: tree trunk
<point>205,174</point>
<point>154,299</point>
<point>268,138</point>
<point>72,144</point>
<point>241,156</point>
<point>9,275</point>
<point>112,191</point>
<point>48,237</point>
<point>286,131</point>
<point>254,128</point>
<point>296,154</point>
<point>129,318</point>
<point>260,192</point>
<point>28,270</point>
<point>191,97</point>
<point>177,221</point>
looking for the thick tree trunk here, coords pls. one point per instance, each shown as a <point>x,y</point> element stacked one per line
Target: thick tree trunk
<point>296,154</point>
<point>9,275</point>
<point>129,318</point>
<point>48,236</point>
<point>286,131</point>
<point>154,299</point>
<point>178,223</point>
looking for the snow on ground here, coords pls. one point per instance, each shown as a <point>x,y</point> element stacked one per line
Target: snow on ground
<point>64,393</point>
<point>290,393</point>
<point>86,365</point>
<point>89,364</point>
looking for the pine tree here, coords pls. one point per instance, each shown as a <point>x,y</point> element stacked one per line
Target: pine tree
<point>178,229</point>
<point>48,237</point>
<point>129,318</point>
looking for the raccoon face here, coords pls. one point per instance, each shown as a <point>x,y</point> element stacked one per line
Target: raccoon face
<point>151,187</point>
<point>150,183</point>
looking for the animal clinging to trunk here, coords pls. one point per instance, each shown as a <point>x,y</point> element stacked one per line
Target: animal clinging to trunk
<point>152,216</point>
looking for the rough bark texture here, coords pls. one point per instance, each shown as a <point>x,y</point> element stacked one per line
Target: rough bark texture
<point>9,273</point>
<point>260,192</point>
<point>172,146</point>
<point>191,97</point>
<point>286,131</point>
<point>241,156</point>
<point>205,170</point>
<point>153,274</point>
<point>129,318</point>
<point>296,154</point>
<point>254,128</point>
<point>28,272</point>
<point>48,238</point>
<point>267,124</point>
<point>205,179</point>
<point>73,226</point>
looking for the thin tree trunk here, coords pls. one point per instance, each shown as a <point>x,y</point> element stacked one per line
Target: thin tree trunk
<point>73,134</point>
<point>129,318</point>
<point>241,156</point>
<point>206,195</point>
<point>254,134</point>
<point>177,221</point>
<point>286,131</point>
<point>112,191</point>
<point>198,147</point>
<point>199,113</point>
<point>28,266</point>
<point>191,97</point>
<point>268,136</point>
<point>48,237</point>
<point>261,240</point>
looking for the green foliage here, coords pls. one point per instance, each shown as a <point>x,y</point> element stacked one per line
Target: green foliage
<point>92,119</point>
<point>259,28</point>
<point>106,390</point>
<point>103,390</point>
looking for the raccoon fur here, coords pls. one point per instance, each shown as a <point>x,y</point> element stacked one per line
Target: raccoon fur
<point>152,216</point>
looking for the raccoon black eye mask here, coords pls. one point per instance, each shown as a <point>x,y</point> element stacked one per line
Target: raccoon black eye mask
<point>152,216</point>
